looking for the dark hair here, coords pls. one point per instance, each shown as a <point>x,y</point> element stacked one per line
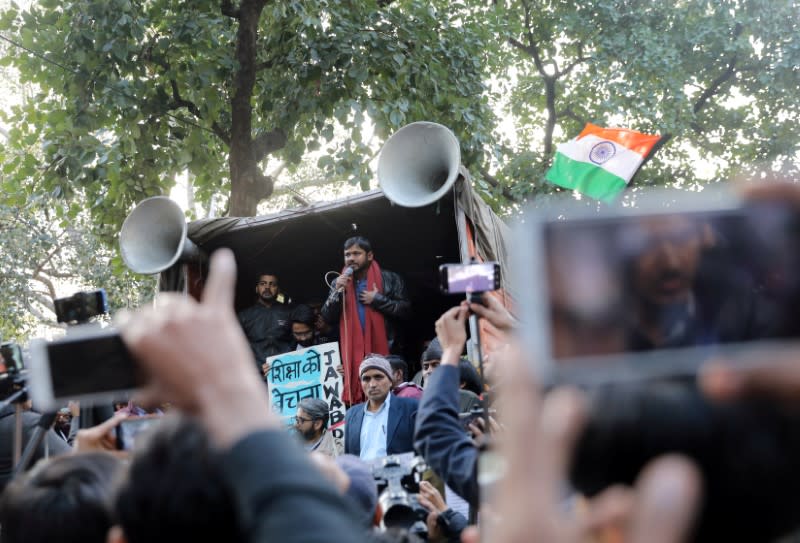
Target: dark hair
<point>316,408</point>
<point>359,241</point>
<point>303,313</point>
<point>175,490</point>
<point>433,352</point>
<point>268,272</point>
<point>67,498</point>
<point>469,376</point>
<point>398,363</point>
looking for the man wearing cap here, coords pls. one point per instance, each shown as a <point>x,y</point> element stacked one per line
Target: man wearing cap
<point>384,424</point>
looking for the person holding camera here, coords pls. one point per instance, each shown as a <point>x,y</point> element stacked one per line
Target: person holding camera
<point>440,437</point>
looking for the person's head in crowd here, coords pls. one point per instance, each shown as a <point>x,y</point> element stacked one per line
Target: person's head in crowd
<point>175,490</point>
<point>431,359</point>
<point>361,489</point>
<point>358,254</point>
<point>399,369</point>
<point>667,253</point>
<point>375,373</point>
<point>311,419</point>
<point>267,288</point>
<point>468,376</point>
<point>66,499</point>
<point>303,325</point>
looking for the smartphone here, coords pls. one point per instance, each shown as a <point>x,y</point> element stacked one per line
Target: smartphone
<point>469,278</point>
<point>129,429</point>
<point>90,365</point>
<point>654,290</point>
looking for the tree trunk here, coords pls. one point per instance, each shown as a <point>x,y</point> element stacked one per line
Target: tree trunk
<point>249,185</point>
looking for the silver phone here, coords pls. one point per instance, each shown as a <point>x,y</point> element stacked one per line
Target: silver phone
<point>90,365</point>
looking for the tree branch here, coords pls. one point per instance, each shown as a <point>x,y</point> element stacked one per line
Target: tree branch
<point>178,102</point>
<point>496,184</point>
<point>729,73</point>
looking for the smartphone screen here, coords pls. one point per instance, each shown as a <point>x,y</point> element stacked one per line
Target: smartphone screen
<point>666,282</point>
<point>479,277</point>
<point>91,365</point>
<point>130,428</point>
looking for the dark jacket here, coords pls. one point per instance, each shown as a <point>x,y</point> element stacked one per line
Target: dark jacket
<point>441,440</point>
<point>268,329</point>
<point>276,490</point>
<point>393,304</point>
<point>400,431</point>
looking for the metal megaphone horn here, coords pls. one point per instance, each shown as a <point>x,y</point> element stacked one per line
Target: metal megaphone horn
<point>419,164</point>
<point>153,237</point>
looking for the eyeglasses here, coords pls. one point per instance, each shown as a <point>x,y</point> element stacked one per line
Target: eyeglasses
<point>301,420</point>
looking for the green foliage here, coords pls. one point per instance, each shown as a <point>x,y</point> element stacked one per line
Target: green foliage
<point>45,258</point>
<point>134,92</point>
<point>718,77</point>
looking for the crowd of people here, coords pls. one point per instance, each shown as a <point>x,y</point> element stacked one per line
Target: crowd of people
<point>506,461</point>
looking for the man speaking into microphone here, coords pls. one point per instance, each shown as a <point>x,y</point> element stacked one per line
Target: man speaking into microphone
<point>367,303</point>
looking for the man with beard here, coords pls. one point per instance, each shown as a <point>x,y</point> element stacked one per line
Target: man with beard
<point>678,299</point>
<point>266,323</point>
<point>311,423</point>
<point>367,302</point>
<point>67,423</point>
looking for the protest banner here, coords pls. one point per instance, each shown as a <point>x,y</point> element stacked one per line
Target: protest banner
<point>308,373</point>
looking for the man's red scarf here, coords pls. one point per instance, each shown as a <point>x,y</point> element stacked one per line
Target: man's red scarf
<point>356,343</point>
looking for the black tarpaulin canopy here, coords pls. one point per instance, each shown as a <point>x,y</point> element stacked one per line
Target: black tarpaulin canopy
<point>301,245</point>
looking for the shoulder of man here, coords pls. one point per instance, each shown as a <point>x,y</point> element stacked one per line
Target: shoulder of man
<point>408,403</point>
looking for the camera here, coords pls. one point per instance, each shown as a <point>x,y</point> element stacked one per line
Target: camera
<point>82,306</point>
<point>398,478</point>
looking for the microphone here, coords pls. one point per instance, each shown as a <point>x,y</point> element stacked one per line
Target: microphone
<point>347,273</point>
<point>335,292</point>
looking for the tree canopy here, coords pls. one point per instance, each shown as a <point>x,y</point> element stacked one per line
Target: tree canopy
<point>125,95</point>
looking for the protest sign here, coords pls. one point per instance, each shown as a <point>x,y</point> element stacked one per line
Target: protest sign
<point>308,373</point>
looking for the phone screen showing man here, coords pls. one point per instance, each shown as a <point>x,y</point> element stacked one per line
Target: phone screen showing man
<point>650,282</point>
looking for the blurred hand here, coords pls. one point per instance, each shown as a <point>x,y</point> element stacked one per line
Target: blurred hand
<point>331,470</point>
<point>450,329</point>
<point>430,498</point>
<point>494,312</point>
<point>265,368</point>
<point>99,438</point>
<point>180,344</point>
<point>766,375</point>
<point>74,409</point>
<point>477,429</point>
<point>340,370</point>
<point>539,436</point>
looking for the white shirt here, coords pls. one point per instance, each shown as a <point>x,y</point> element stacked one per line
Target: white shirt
<point>373,431</point>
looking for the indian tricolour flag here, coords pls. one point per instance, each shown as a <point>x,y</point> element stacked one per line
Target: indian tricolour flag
<point>600,161</point>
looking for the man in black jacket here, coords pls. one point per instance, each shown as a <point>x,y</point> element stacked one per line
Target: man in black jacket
<point>367,303</point>
<point>267,323</point>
